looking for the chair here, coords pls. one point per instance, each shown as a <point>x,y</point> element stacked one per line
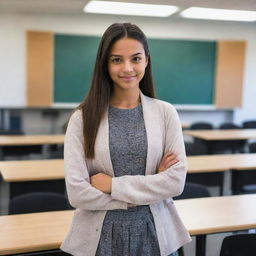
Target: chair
<point>58,153</point>
<point>201,126</point>
<point>24,187</point>
<point>239,245</point>
<point>196,148</point>
<point>252,147</point>
<point>250,124</point>
<point>193,190</point>
<point>244,182</point>
<point>38,202</point>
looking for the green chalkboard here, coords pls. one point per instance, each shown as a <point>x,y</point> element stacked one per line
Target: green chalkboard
<point>183,70</point>
<point>74,59</point>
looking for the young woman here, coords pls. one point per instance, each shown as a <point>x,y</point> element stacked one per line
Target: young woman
<point>124,157</point>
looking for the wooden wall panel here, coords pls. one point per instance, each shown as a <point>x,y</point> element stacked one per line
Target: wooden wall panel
<point>39,68</point>
<point>229,73</point>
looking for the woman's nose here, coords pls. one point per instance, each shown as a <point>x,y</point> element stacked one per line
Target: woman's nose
<point>127,66</point>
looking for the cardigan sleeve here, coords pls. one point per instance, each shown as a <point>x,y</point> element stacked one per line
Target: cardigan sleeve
<point>80,192</point>
<point>143,190</point>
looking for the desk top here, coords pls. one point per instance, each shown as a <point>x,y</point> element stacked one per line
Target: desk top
<point>33,232</point>
<point>215,163</point>
<point>218,214</point>
<point>24,140</point>
<point>15,171</point>
<point>235,134</point>
<point>42,231</point>
<point>29,170</point>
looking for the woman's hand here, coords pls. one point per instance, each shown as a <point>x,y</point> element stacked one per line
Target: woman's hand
<point>168,160</point>
<point>102,182</point>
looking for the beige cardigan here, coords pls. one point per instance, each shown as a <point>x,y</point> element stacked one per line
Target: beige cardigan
<point>164,134</point>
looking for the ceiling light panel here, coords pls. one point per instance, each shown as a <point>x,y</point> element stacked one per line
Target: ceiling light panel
<point>133,9</point>
<point>218,14</point>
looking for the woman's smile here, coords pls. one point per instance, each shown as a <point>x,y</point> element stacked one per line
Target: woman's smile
<point>128,78</point>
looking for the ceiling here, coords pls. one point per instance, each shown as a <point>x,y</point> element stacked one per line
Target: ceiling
<point>76,6</point>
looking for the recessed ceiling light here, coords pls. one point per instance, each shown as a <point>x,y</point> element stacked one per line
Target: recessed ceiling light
<point>133,9</point>
<point>218,14</point>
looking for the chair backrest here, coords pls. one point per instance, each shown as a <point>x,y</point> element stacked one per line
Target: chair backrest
<point>239,245</point>
<point>201,126</point>
<point>196,148</point>
<point>38,202</point>
<point>249,124</point>
<point>58,154</point>
<point>193,190</point>
<point>252,147</point>
<point>11,132</point>
<point>227,126</point>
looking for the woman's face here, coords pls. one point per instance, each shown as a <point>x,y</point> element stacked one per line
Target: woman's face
<point>126,63</point>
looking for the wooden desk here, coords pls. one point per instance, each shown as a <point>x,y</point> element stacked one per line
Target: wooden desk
<point>211,215</point>
<point>220,163</point>
<point>28,140</point>
<point>32,170</point>
<point>202,216</point>
<point>24,140</point>
<point>185,125</point>
<point>32,175</point>
<point>33,232</point>
<point>211,135</point>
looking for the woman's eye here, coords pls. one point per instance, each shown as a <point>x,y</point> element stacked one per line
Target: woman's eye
<point>137,59</point>
<point>116,60</point>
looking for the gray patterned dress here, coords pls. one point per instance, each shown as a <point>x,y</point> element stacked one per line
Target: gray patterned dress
<point>128,232</point>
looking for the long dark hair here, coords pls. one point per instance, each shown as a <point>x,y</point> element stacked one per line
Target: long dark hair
<point>97,100</point>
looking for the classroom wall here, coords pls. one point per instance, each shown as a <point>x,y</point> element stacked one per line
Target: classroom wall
<point>13,52</point>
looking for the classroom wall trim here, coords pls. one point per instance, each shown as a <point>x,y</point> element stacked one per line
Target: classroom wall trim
<point>39,68</point>
<point>229,73</point>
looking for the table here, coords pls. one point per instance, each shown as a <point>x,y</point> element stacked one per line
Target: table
<point>201,216</point>
<point>32,170</point>
<point>212,215</point>
<point>50,169</point>
<point>32,175</point>
<point>218,140</point>
<point>234,134</point>
<point>29,140</point>
<point>211,164</point>
<point>53,169</point>
<point>220,163</point>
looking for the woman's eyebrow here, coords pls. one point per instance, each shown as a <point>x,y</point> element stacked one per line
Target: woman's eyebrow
<point>115,55</point>
<point>118,55</point>
<point>138,53</point>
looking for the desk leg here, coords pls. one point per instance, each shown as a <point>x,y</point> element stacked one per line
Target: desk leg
<point>1,153</point>
<point>4,196</point>
<point>200,245</point>
<point>45,151</point>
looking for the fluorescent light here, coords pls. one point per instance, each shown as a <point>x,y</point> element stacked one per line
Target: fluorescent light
<point>218,14</point>
<point>134,9</point>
